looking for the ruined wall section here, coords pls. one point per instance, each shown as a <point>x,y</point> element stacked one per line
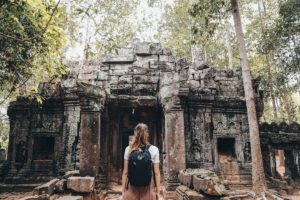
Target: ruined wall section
<point>285,137</point>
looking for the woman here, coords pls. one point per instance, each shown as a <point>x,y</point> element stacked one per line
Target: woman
<point>140,143</point>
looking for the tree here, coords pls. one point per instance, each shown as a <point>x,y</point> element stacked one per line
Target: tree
<point>31,40</point>
<point>102,26</point>
<point>258,175</point>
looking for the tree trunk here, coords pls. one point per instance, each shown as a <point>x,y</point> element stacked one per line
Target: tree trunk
<point>258,175</point>
<point>228,47</point>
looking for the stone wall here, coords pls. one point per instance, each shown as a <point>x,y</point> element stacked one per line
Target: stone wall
<point>282,137</point>
<point>192,111</point>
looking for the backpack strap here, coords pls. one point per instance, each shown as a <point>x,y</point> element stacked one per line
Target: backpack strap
<point>148,146</point>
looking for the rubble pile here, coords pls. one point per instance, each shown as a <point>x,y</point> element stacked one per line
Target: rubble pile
<point>198,184</point>
<point>69,187</point>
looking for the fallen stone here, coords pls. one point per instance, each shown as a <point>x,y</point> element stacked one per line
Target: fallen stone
<point>47,188</point>
<point>185,178</point>
<point>71,173</point>
<point>185,193</point>
<point>209,183</point>
<point>60,185</point>
<point>193,195</point>
<point>70,198</point>
<point>81,184</point>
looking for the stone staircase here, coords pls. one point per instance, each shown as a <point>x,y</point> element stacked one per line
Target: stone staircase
<point>235,177</point>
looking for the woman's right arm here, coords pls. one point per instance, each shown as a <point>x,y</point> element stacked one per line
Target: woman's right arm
<point>124,176</point>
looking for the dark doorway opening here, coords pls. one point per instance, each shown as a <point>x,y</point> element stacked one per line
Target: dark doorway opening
<point>226,149</point>
<point>43,148</point>
<point>120,131</point>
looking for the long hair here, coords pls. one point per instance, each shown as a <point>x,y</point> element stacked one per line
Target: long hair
<point>141,135</point>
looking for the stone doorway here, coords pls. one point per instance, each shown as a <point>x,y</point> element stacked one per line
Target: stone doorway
<point>227,160</point>
<point>226,149</point>
<point>43,148</point>
<point>119,130</point>
<point>280,162</point>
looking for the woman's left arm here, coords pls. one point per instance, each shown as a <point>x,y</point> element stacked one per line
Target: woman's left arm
<point>124,176</point>
<point>157,178</point>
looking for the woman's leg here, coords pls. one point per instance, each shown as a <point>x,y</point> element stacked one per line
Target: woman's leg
<point>148,193</point>
<point>132,193</point>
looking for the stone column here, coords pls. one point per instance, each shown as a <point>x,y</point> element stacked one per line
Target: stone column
<point>91,100</point>
<point>175,147</point>
<point>70,132</point>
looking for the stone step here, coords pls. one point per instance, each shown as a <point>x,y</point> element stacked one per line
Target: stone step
<point>17,187</point>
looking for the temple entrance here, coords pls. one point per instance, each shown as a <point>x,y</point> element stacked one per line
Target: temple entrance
<point>227,160</point>
<point>43,148</point>
<point>226,149</point>
<point>119,132</point>
<point>280,162</point>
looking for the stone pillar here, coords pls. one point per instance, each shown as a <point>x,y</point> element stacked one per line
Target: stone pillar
<point>91,99</point>
<point>70,132</point>
<point>175,147</point>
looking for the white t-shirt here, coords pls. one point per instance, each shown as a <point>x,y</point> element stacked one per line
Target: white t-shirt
<point>153,151</point>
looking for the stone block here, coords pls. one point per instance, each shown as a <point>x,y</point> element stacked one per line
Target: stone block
<point>71,173</point>
<point>144,48</point>
<point>70,198</point>
<point>180,192</point>
<point>166,66</point>
<point>36,197</point>
<point>209,184</point>
<point>47,188</point>
<point>60,185</point>
<point>193,195</point>
<point>123,56</point>
<point>2,155</point>
<point>184,193</point>
<point>185,178</point>
<point>81,184</point>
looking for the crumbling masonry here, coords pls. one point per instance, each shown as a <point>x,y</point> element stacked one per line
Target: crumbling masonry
<point>196,115</point>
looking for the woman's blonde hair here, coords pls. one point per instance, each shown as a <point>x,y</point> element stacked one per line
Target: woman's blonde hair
<point>141,135</point>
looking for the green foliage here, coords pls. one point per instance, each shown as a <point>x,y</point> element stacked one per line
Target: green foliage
<point>188,24</point>
<point>31,41</point>
<point>105,25</point>
<point>272,39</point>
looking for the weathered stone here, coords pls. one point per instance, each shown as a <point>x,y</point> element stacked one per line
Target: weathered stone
<point>71,173</point>
<point>148,48</point>
<point>36,197</point>
<point>2,155</point>
<point>70,198</point>
<point>60,185</point>
<point>184,193</point>
<point>196,116</point>
<point>208,182</point>
<point>81,184</point>
<point>47,188</point>
<point>186,178</point>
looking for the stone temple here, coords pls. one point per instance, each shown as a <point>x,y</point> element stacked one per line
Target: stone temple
<point>196,115</point>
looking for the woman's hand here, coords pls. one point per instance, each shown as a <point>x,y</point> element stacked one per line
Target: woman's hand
<point>158,196</point>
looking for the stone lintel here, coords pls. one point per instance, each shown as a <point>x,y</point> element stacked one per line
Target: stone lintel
<point>132,101</point>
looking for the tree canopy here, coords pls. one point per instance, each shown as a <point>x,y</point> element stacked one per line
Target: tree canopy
<point>31,43</point>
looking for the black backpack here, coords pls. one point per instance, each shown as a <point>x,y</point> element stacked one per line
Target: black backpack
<point>140,167</point>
